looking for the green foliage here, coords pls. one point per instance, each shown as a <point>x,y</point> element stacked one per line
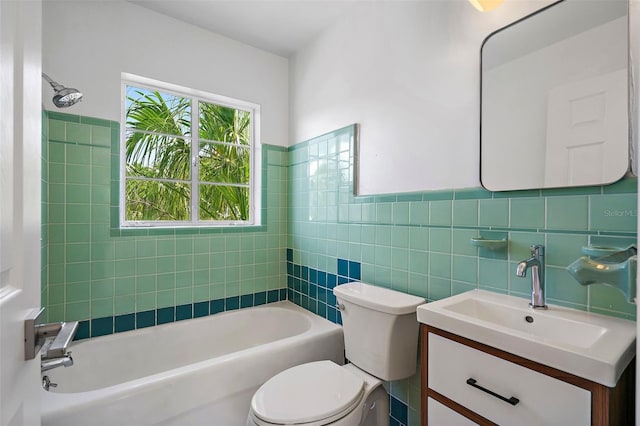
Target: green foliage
<point>159,166</point>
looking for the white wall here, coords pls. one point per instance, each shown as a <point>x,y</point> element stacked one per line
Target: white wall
<point>408,72</point>
<point>87,45</point>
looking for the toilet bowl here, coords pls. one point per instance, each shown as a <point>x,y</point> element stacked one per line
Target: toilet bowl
<point>381,343</point>
<point>320,393</point>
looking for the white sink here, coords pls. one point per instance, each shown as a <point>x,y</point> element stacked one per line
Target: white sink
<point>592,346</point>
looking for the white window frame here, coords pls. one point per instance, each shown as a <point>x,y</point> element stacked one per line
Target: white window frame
<point>255,172</point>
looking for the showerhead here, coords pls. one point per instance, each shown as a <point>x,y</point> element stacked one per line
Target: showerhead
<point>64,96</point>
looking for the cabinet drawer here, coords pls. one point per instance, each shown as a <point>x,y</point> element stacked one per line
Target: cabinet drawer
<point>442,415</point>
<point>541,400</point>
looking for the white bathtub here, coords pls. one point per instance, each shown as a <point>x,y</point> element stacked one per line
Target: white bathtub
<point>196,372</point>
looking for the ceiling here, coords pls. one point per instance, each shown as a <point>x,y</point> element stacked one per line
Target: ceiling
<point>279,27</point>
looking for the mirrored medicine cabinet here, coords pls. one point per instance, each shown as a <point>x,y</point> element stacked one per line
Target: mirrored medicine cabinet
<point>555,98</point>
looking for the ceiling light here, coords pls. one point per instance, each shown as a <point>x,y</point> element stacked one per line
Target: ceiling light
<point>486,5</point>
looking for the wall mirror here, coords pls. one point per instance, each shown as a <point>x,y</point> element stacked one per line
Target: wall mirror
<point>555,98</point>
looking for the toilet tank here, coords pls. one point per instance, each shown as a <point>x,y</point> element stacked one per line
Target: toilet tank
<point>380,329</point>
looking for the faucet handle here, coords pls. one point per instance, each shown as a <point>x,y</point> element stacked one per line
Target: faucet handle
<point>47,383</point>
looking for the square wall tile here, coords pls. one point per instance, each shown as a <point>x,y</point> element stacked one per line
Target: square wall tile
<point>57,130</point>
<point>124,304</point>
<point>562,249</point>
<point>440,240</point>
<point>77,193</point>
<point>78,133</point>
<point>439,288</point>
<point>384,213</point>
<point>440,212</point>
<point>567,213</point>
<point>400,236</point>
<point>493,273</point>
<point>78,154</point>
<point>494,212</point>
<point>400,259</point>
<point>101,136</point>
<point>527,213</point>
<point>461,242</point>
<point>419,262</point>
<point>440,265</point>
<point>400,213</point>
<point>465,268</point>
<point>419,239</point>
<point>77,311</point>
<point>419,213</point>
<point>561,286</point>
<point>419,284</point>
<point>101,307</point>
<point>614,212</point>
<point>520,244</point>
<point>465,213</point>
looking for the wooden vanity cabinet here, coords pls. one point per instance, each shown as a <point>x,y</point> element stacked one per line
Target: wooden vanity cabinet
<point>468,383</point>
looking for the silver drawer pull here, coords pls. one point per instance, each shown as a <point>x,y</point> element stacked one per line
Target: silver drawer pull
<point>513,400</point>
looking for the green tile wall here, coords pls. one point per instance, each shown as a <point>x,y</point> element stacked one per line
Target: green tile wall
<point>44,216</point>
<point>93,269</point>
<point>416,243</point>
<point>420,242</point>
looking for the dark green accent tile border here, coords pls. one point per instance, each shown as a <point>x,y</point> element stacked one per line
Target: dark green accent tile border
<point>103,326</point>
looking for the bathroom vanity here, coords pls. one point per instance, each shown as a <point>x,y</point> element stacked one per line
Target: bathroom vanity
<point>459,373</point>
<point>487,360</point>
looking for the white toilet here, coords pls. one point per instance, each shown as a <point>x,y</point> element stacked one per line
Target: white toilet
<point>381,342</point>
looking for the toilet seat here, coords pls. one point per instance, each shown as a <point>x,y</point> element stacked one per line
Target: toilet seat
<point>315,393</point>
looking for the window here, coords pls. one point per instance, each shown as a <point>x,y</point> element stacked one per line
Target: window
<point>187,158</point>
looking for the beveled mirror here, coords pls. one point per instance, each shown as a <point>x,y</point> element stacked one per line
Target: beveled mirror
<point>555,98</point>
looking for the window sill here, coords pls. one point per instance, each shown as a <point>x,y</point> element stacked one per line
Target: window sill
<point>195,230</point>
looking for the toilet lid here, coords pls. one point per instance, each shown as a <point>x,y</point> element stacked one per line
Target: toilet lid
<point>307,393</point>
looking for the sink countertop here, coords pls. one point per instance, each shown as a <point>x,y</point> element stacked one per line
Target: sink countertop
<point>592,346</point>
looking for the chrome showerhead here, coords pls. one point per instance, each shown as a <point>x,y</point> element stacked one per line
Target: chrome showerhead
<point>64,96</point>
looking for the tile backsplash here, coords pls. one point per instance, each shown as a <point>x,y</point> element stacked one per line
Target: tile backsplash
<point>420,242</point>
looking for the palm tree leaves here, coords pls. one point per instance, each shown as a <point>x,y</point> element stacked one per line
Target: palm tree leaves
<point>159,181</point>
<point>224,158</point>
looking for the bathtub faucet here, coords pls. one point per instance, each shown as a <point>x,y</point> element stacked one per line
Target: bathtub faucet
<point>50,364</point>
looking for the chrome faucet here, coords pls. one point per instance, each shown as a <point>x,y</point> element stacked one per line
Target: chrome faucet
<point>536,264</point>
<point>50,364</point>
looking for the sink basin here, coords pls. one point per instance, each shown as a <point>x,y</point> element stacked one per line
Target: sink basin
<point>592,346</point>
